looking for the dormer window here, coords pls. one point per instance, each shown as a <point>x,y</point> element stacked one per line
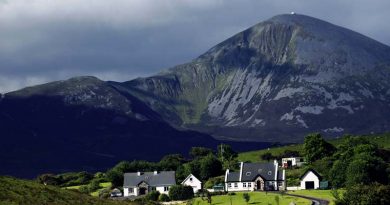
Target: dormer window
<point>248,174</point>
<point>269,172</point>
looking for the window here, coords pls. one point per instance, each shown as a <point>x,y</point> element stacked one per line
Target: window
<point>249,184</point>
<point>269,172</point>
<point>248,174</point>
<point>235,185</point>
<point>153,188</point>
<point>244,184</point>
<point>229,185</point>
<point>166,188</point>
<point>131,190</point>
<point>191,179</point>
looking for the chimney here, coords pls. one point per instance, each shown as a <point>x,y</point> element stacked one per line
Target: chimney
<point>155,172</point>
<point>138,173</point>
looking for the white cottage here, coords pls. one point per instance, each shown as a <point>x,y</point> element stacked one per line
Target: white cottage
<point>194,182</point>
<point>310,180</point>
<point>292,162</point>
<point>141,183</point>
<point>256,177</point>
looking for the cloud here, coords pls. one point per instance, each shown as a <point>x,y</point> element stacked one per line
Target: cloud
<point>122,39</point>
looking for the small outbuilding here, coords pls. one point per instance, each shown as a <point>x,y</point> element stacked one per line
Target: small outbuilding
<point>310,180</point>
<point>193,182</point>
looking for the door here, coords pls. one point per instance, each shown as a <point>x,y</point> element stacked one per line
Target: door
<point>309,185</point>
<point>289,163</point>
<point>142,191</point>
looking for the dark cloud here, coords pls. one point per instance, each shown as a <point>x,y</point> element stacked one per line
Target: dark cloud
<point>43,40</point>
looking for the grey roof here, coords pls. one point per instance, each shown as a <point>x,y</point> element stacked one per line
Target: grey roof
<point>233,177</point>
<point>250,171</point>
<point>280,175</point>
<point>159,179</point>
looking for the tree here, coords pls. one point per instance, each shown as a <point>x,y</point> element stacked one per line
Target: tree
<point>210,166</point>
<point>267,156</point>
<point>246,197</point>
<point>163,198</point>
<point>315,147</point>
<point>180,192</point>
<point>93,185</point>
<point>227,156</point>
<point>377,194</point>
<point>153,195</point>
<point>171,162</point>
<point>115,177</point>
<point>198,152</point>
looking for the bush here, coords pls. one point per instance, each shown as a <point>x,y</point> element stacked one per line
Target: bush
<point>366,195</point>
<point>94,185</point>
<point>164,197</point>
<point>84,189</point>
<point>180,192</point>
<point>213,181</point>
<point>153,195</point>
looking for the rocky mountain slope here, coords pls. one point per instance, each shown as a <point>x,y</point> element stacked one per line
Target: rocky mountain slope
<point>276,81</point>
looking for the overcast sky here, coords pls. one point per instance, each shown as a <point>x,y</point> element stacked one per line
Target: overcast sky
<point>46,40</point>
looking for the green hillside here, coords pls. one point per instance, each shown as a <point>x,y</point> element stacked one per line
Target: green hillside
<point>383,141</point>
<point>16,191</point>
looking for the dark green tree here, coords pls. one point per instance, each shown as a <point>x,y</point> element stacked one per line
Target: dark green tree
<point>210,166</point>
<point>198,152</point>
<point>267,156</point>
<point>227,156</point>
<point>180,192</point>
<point>246,197</point>
<point>315,147</point>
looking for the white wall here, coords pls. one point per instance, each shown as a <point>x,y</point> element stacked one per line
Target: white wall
<point>310,176</point>
<point>240,186</point>
<point>161,190</point>
<point>195,183</point>
<point>126,192</point>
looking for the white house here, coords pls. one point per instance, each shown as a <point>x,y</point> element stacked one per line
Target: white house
<point>310,180</point>
<point>256,176</point>
<point>292,162</point>
<point>141,183</point>
<point>194,182</point>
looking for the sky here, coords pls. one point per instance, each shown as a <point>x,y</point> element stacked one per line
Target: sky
<point>48,40</point>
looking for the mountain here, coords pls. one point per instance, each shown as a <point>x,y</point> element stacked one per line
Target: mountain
<point>274,82</point>
<point>277,81</point>
<point>82,124</point>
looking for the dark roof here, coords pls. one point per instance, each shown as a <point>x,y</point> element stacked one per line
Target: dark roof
<point>233,177</point>
<point>250,171</point>
<point>280,175</point>
<point>315,173</point>
<point>159,179</point>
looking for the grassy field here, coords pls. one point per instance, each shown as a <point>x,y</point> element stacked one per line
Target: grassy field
<point>321,194</point>
<point>16,191</point>
<point>383,141</point>
<point>103,185</point>
<point>255,198</point>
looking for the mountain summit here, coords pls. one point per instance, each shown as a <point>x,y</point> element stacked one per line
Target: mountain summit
<point>276,81</point>
<point>284,77</point>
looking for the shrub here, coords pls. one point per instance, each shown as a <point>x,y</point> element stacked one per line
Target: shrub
<point>153,195</point>
<point>84,189</point>
<point>164,197</point>
<point>180,192</point>
<point>94,185</point>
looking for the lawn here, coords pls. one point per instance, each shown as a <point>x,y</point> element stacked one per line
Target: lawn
<point>321,194</point>
<point>255,198</point>
<point>95,193</point>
